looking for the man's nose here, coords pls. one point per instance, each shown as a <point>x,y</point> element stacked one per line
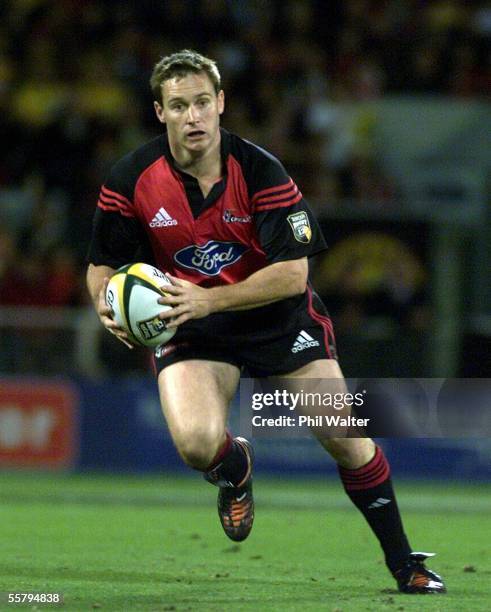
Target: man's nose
<point>192,114</point>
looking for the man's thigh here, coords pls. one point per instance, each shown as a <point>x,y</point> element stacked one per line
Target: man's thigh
<point>323,378</point>
<point>195,395</point>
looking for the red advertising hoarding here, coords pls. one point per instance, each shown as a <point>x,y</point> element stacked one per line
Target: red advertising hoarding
<point>38,424</point>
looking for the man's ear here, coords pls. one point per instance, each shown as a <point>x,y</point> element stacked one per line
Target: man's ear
<point>221,101</point>
<point>159,111</point>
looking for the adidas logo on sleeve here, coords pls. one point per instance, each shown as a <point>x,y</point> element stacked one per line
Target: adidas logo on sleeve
<point>162,219</point>
<point>303,341</point>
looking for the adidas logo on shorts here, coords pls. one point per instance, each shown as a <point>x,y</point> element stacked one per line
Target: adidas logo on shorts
<point>162,219</point>
<point>304,341</point>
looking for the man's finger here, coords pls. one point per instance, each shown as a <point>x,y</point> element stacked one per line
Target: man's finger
<point>105,310</point>
<point>169,300</point>
<point>175,281</point>
<point>121,335</point>
<point>174,312</point>
<point>128,344</point>
<point>178,320</point>
<point>109,323</point>
<point>172,290</point>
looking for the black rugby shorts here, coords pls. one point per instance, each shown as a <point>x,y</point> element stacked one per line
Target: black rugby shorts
<point>267,341</point>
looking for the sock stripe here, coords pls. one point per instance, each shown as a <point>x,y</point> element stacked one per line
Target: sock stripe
<point>375,475</point>
<point>376,460</point>
<point>358,486</point>
<point>375,468</point>
<point>368,476</point>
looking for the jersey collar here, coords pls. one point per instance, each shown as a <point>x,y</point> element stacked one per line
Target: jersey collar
<point>196,201</point>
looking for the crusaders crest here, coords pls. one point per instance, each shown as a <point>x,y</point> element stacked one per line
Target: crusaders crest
<point>301,227</point>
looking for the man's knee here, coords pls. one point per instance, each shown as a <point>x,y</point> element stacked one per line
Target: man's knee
<point>350,453</point>
<point>198,447</point>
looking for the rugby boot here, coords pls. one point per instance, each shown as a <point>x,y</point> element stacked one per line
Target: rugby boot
<point>415,578</point>
<point>236,504</point>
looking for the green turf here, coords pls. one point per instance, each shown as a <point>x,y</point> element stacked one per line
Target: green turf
<point>118,543</point>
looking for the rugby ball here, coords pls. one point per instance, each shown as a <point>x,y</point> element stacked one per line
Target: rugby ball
<point>132,294</point>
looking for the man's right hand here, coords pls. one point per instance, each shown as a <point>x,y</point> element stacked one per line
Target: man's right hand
<point>106,316</point>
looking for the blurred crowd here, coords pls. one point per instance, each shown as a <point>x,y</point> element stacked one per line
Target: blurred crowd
<point>74,97</point>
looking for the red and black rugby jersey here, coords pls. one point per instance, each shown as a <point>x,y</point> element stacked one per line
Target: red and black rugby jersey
<point>148,210</point>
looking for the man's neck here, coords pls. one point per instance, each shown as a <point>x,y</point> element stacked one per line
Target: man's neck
<point>205,164</point>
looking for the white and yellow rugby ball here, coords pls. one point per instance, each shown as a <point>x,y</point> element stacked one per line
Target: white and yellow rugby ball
<point>132,294</point>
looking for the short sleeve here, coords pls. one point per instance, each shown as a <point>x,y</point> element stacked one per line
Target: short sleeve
<point>285,225</point>
<point>117,236</point>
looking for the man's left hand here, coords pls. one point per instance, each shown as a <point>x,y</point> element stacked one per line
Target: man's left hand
<point>188,301</point>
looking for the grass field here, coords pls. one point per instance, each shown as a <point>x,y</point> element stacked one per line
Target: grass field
<point>138,543</point>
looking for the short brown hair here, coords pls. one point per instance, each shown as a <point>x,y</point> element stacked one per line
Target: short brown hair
<point>180,64</point>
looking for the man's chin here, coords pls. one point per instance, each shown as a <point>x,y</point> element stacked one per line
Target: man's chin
<point>197,145</point>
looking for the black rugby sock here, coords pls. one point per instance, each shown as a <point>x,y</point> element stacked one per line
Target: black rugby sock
<point>230,467</point>
<point>370,489</point>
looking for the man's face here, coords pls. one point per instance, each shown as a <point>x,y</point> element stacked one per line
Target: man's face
<point>191,110</point>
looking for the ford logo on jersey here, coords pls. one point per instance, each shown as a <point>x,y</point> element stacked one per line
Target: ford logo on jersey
<point>211,258</point>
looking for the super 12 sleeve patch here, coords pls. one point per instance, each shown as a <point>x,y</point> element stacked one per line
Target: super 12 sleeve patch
<point>300,224</point>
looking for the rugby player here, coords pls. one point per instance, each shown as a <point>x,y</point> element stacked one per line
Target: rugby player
<point>224,219</point>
